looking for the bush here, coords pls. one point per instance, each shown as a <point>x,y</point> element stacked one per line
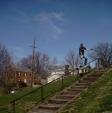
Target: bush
<point>22,84</point>
<point>10,86</point>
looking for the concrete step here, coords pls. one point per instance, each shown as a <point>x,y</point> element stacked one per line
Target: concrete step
<point>50,106</point>
<point>44,111</point>
<point>84,81</point>
<point>69,92</point>
<point>65,96</point>
<point>90,79</point>
<point>87,80</point>
<point>79,86</point>
<point>76,89</point>
<point>39,110</point>
<point>94,76</point>
<point>84,84</point>
<point>58,101</point>
<point>55,103</point>
<point>98,74</point>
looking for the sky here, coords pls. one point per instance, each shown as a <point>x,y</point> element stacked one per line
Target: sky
<point>57,25</point>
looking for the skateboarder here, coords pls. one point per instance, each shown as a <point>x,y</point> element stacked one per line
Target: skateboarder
<point>82,53</point>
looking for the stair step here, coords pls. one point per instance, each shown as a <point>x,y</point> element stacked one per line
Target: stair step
<point>58,101</point>
<point>85,84</point>
<point>50,106</point>
<point>93,77</point>
<point>65,96</point>
<point>70,92</point>
<point>76,89</point>
<point>42,111</point>
<point>90,79</point>
<point>98,74</point>
<point>77,86</point>
<point>85,81</point>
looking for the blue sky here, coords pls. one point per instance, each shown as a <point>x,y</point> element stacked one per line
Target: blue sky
<point>57,25</point>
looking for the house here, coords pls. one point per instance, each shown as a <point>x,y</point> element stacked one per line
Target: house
<point>53,75</point>
<point>20,74</point>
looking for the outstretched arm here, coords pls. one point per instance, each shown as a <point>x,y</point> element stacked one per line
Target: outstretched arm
<point>89,49</point>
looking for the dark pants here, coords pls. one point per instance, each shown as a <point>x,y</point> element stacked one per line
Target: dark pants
<point>85,62</point>
<point>85,59</point>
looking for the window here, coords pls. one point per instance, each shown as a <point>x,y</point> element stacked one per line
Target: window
<point>25,81</point>
<point>19,74</point>
<point>25,74</point>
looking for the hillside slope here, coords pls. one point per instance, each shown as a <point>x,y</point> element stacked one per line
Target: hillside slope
<point>97,99</point>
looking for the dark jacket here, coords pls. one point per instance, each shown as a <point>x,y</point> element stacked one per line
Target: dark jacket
<point>81,50</point>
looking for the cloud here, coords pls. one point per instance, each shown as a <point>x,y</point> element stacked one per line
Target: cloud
<point>49,16</point>
<point>49,23</point>
<point>53,21</point>
<point>58,16</point>
<point>57,29</point>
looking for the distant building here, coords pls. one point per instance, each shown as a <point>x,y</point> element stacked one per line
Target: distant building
<point>53,75</point>
<point>19,74</point>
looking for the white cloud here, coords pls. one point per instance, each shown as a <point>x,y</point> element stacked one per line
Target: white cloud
<point>46,16</point>
<point>54,21</point>
<point>58,16</point>
<point>57,29</point>
<point>49,21</point>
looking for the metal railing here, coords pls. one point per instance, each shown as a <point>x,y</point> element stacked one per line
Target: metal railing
<point>41,92</point>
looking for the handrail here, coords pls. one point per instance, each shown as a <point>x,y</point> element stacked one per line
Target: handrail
<point>13,102</point>
<point>35,90</point>
<point>89,63</point>
<point>48,83</point>
<point>25,95</point>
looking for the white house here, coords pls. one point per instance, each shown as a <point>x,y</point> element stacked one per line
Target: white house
<point>53,76</point>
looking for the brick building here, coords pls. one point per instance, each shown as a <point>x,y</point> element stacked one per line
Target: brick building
<point>20,74</point>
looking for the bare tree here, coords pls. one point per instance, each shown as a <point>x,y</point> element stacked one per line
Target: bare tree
<point>72,60</point>
<point>41,62</point>
<point>5,61</point>
<point>5,58</point>
<point>103,51</point>
<point>52,64</point>
<point>54,61</point>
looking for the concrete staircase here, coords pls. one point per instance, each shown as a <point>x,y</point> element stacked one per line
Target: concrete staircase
<point>54,104</point>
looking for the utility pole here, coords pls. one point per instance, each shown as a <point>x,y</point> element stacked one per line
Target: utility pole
<point>33,61</point>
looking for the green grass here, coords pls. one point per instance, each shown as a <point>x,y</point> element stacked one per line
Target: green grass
<point>97,99</point>
<point>33,98</point>
<point>7,98</point>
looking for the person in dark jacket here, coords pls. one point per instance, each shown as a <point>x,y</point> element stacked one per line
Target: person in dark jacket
<point>82,53</point>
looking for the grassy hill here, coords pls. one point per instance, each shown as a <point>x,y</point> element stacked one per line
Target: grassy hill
<point>33,98</point>
<point>97,99</point>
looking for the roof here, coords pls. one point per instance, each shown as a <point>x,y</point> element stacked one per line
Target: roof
<point>21,68</point>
